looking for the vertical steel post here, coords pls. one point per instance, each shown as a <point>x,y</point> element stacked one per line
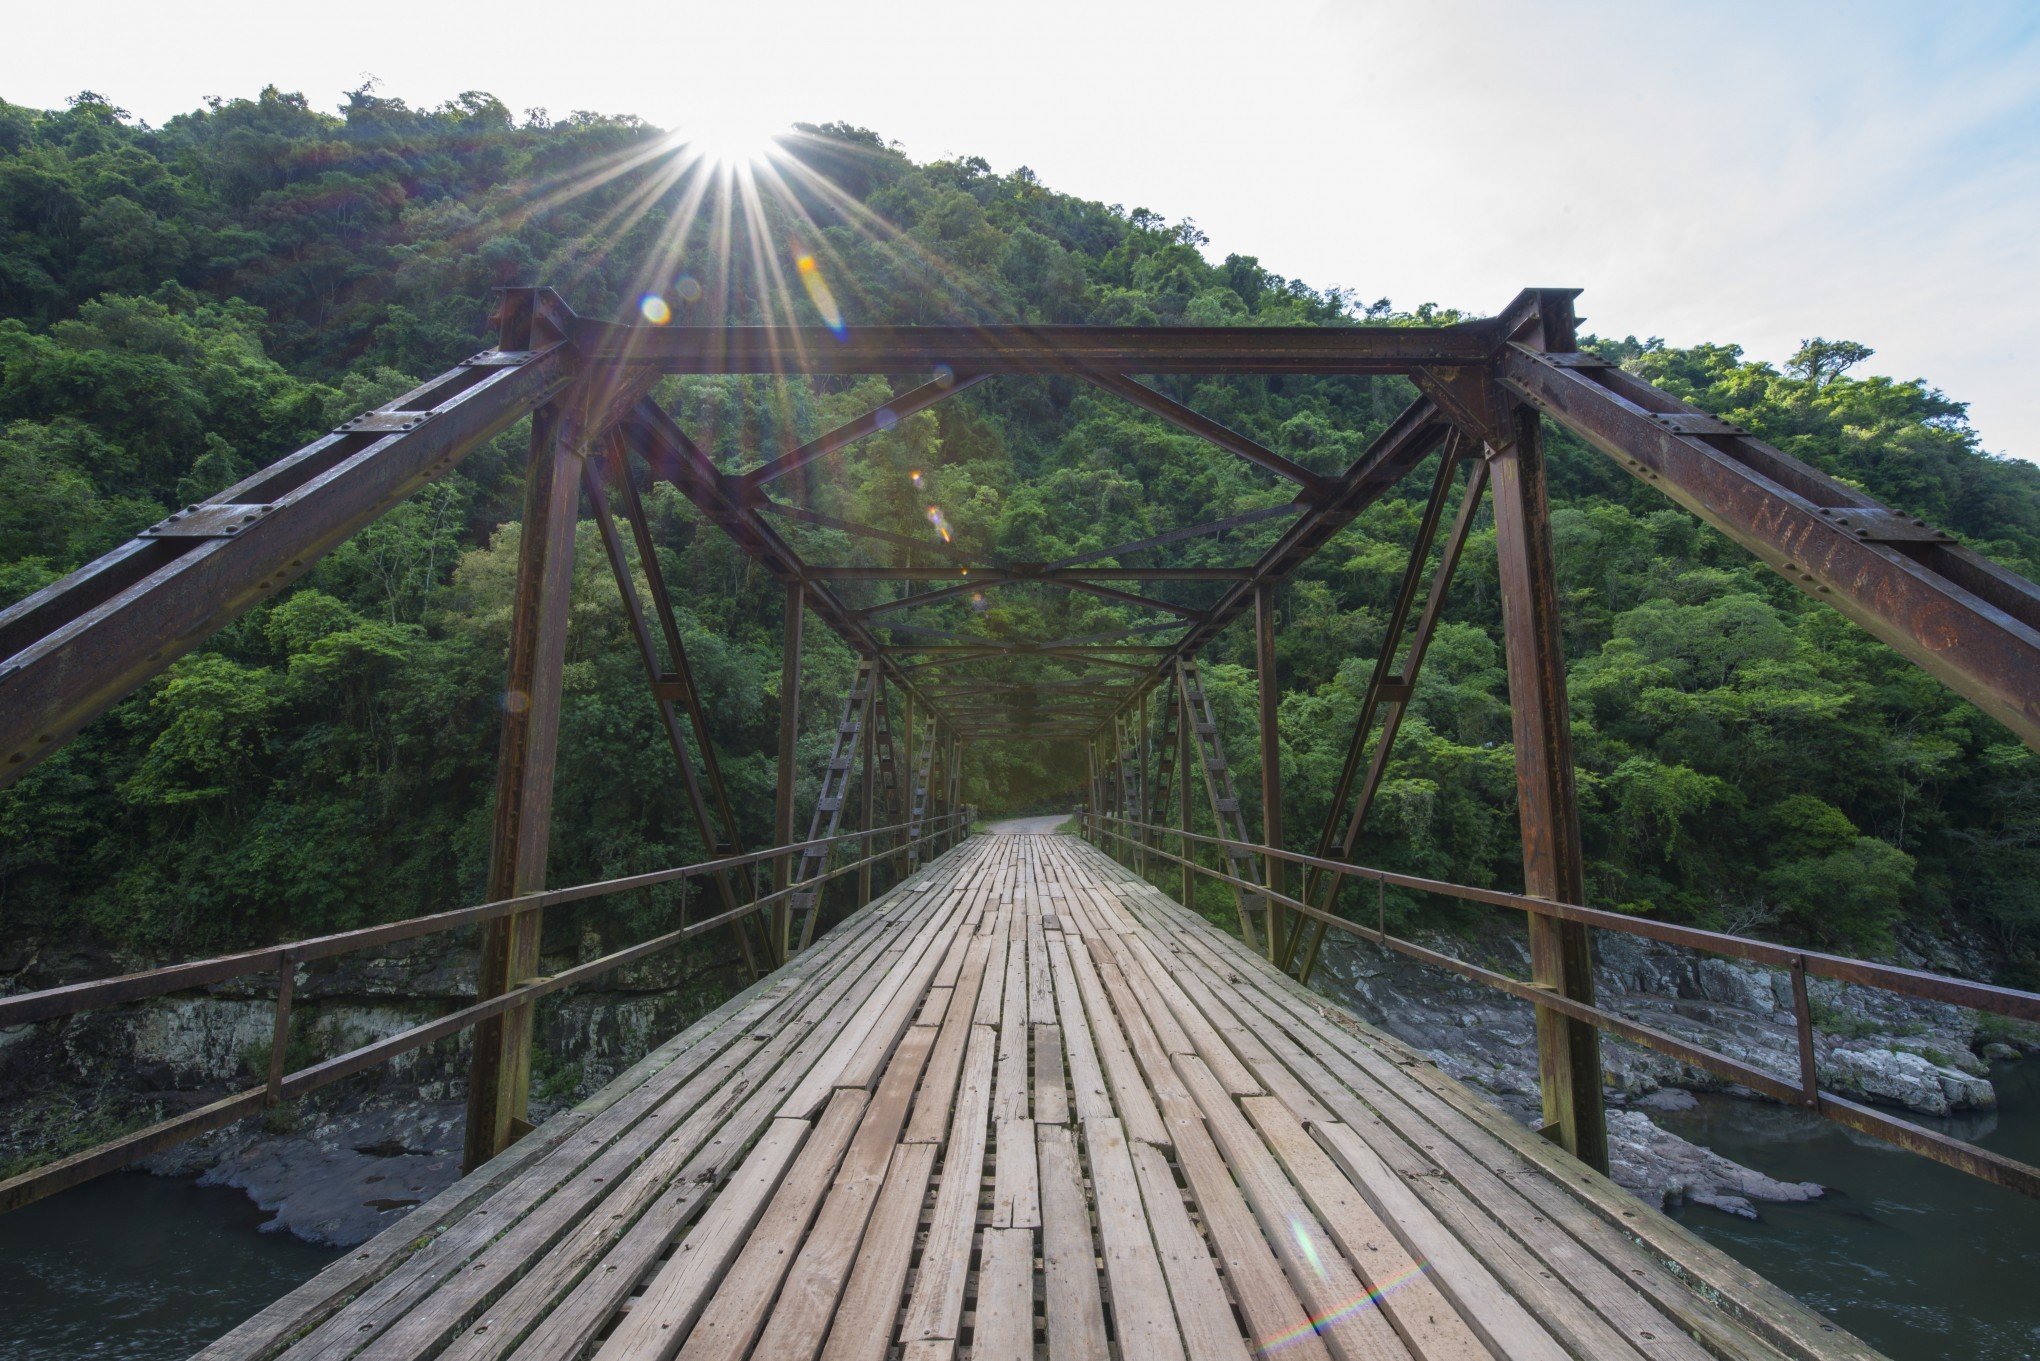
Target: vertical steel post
<point>866,801</point>
<point>1568,1050</point>
<point>1144,811</point>
<point>499,1078</point>
<point>789,739</point>
<point>938,786</point>
<point>1122,728</point>
<point>1091,800</point>
<point>956,832</point>
<point>1271,760</point>
<point>1184,748</point>
<point>908,854</point>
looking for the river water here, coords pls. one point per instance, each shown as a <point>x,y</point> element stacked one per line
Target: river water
<point>1920,1261</point>
<point>139,1267</point>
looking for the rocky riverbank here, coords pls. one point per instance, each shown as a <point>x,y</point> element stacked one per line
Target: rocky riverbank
<point>339,1166</point>
<point>1926,1057</point>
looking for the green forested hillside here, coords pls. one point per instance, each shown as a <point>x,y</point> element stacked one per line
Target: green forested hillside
<point>179,306</point>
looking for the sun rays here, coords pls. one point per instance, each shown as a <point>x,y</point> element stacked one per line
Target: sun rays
<point>736,223</point>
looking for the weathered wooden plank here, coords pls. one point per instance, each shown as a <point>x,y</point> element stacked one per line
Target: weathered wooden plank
<point>1137,1025</point>
<point>1205,1040</point>
<point>677,1295</point>
<point>1076,1315</point>
<point>541,1274</point>
<point>1274,1316</point>
<point>1144,1324</point>
<point>569,1309</point>
<point>867,1039</point>
<point>1505,1325</point>
<point>930,1120</point>
<point>1003,1328</point>
<point>1016,1185</point>
<point>1040,987</point>
<point>531,1213</point>
<point>1086,1078</point>
<point>869,1314</point>
<point>1247,1043</point>
<point>1396,1280</point>
<point>934,1003</point>
<point>1204,1316</point>
<point>1331,1291</point>
<point>992,994</point>
<point>807,1301</point>
<point>935,1307</point>
<point>1129,1088</point>
<point>737,1310</point>
<point>1051,1096</point>
<point>1601,1316</point>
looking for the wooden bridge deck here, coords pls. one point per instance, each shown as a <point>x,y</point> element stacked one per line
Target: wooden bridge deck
<point>1025,1104</point>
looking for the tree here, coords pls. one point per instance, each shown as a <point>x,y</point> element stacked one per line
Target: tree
<point>1820,362</point>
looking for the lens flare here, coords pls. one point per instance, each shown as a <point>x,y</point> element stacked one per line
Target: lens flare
<point>1303,1240</point>
<point>654,309</point>
<point>940,521</point>
<point>819,294</point>
<point>1316,1324</point>
<point>687,288</point>
<point>916,475</point>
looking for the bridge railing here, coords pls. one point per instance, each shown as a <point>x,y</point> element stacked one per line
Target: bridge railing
<point>283,960</point>
<point>1804,1091</point>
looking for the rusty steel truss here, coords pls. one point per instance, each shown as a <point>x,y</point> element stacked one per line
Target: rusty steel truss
<point>1485,389</point>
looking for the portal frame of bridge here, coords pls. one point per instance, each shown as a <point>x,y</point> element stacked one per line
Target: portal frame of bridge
<point>71,650</point>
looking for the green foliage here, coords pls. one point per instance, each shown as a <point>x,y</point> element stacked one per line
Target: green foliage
<point>181,305</point>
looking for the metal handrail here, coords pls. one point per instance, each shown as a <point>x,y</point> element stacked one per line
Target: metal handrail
<point>283,960</point>
<point>1805,1092</point>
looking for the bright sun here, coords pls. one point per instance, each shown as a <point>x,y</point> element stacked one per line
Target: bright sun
<point>730,137</point>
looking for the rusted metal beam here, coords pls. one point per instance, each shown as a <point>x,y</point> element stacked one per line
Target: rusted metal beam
<point>996,582</point>
<point>1209,528</point>
<point>860,531</point>
<point>1146,602</point>
<point>1202,426</point>
<point>672,455</point>
<point>1027,572</point>
<point>870,423</point>
<point>913,599</point>
<point>1406,442</point>
<point>1968,622</point>
<point>789,753</point>
<point>1185,747</point>
<point>867,785</point>
<point>683,671</point>
<point>500,1073</point>
<point>1081,350</point>
<point>1568,1049</point>
<point>80,644</point>
<point>670,690</point>
<point>1389,689</point>
<point>1269,694</point>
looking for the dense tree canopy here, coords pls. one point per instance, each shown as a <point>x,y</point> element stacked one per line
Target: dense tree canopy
<point>181,305</point>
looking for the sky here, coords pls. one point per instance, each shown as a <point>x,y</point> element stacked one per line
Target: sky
<point>1722,171</point>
